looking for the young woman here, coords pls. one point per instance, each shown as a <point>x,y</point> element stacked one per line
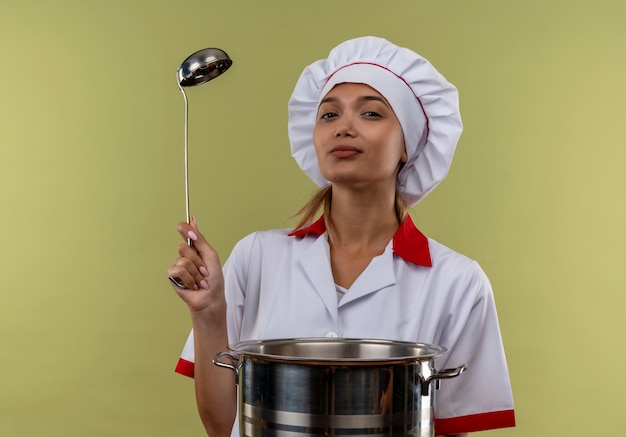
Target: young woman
<point>375,126</point>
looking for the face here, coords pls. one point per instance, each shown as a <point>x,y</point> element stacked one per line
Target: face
<point>358,139</point>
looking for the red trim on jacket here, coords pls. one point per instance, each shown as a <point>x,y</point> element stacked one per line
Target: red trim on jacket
<point>408,242</point>
<point>317,228</point>
<point>185,367</point>
<point>475,422</point>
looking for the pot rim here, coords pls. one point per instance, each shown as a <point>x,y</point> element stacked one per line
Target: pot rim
<point>408,351</point>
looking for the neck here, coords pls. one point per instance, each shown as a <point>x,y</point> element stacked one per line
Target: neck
<point>360,220</point>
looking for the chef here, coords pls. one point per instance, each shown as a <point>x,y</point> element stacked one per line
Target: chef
<point>375,126</point>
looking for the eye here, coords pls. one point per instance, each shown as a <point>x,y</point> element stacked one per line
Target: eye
<point>327,115</point>
<point>371,114</point>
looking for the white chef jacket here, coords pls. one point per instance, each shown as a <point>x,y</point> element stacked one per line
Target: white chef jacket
<point>280,285</point>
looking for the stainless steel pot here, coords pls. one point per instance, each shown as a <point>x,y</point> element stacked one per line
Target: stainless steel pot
<point>330,386</point>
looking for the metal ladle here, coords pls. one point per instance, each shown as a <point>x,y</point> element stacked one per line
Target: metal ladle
<point>201,67</point>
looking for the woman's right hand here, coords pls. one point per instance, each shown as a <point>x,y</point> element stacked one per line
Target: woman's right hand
<point>198,267</point>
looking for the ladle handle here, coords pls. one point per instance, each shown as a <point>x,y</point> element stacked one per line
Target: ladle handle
<point>186,151</point>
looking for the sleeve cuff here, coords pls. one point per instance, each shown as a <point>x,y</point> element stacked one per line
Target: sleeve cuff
<point>475,422</point>
<point>184,367</point>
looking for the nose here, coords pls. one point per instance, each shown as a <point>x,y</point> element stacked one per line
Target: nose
<point>345,127</point>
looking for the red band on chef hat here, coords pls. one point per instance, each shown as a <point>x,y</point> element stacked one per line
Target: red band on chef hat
<point>425,104</point>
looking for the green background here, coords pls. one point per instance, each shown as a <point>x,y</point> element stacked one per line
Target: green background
<point>91,187</point>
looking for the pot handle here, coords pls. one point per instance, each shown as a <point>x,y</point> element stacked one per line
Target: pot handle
<point>231,365</point>
<point>442,374</point>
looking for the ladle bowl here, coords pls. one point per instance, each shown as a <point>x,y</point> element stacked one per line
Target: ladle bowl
<point>203,66</point>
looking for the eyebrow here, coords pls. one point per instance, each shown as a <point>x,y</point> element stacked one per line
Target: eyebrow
<point>365,98</point>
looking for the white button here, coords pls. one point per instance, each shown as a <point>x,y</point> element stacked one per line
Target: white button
<point>332,334</point>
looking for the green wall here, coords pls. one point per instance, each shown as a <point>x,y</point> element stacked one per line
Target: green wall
<point>91,187</point>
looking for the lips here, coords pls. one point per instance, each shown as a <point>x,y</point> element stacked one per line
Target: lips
<point>344,151</point>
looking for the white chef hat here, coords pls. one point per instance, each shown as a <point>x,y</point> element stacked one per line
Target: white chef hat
<point>424,102</point>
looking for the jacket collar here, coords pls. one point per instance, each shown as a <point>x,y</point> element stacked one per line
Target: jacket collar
<point>408,242</point>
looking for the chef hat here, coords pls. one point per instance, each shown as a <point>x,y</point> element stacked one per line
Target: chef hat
<point>425,104</point>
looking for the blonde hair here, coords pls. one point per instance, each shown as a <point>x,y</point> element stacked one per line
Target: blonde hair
<point>322,200</point>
